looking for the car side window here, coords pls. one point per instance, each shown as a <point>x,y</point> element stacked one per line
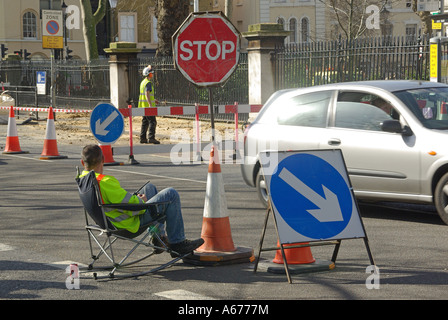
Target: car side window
<point>357,110</point>
<point>309,110</point>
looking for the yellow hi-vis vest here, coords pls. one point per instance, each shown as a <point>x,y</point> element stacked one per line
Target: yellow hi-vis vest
<point>142,101</point>
<point>112,192</point>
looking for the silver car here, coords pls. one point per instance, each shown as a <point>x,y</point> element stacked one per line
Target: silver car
<point>393,136</point>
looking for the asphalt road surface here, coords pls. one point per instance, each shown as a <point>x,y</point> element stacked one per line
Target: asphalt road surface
<point>42,232</point>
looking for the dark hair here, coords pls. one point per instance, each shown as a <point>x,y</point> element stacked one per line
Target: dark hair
<point>92,155</point>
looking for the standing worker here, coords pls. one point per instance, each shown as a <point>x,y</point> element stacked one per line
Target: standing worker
<point>146,100</point>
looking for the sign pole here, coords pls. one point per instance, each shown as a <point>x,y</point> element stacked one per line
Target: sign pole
<point>212,114</point>
<point>53,80</point>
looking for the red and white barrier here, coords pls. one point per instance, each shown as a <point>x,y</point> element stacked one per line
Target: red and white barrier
<point>189,110</point>
<point>165,111</point>
<point>158,111</point>
<point>46,109</point>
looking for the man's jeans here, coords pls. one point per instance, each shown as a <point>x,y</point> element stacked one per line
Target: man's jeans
<point>174,222</point>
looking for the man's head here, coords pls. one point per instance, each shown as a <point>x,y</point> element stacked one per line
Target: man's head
<point>148,71</point>
<point>91,156</point>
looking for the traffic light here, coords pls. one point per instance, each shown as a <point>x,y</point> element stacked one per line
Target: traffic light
<point>67,53</point>
<point>58,54</point>
<point>26,54</point>
<point>19,53</point>
<point>4,50</point>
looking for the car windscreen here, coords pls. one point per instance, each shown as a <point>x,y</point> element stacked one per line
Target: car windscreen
<point>429,105</point>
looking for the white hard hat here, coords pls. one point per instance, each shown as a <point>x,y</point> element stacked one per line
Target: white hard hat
<point>147,71</point>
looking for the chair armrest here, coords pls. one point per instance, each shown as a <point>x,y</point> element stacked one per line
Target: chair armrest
<point>134,206</point>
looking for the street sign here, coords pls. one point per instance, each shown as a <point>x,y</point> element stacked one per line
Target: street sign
<point>206,48</point>
<point>106,123</point>
<point>311,197</point>
<point>41,82</point>
<point>52,29</point>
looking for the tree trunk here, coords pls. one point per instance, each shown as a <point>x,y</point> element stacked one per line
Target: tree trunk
<point>90,21</point>
<point>170,14</point>
<point>425,17</point>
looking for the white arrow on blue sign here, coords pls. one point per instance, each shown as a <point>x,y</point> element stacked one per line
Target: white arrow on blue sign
<point>311,197</point>
<point>106,123</point>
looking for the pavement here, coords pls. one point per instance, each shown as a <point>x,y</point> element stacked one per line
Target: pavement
<point>42,233</point>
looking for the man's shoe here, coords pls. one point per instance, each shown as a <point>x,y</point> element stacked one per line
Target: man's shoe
<point>153,141</point>
<point>143,141</point>
<point>185,246</point>
<point>157,243</point>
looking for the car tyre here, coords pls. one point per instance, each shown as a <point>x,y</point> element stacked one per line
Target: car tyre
<point>441,198</point>
<point>262,190</point>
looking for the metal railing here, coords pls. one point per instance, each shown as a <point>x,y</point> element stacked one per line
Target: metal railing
<point>307,64</point>
<point>79,84</point>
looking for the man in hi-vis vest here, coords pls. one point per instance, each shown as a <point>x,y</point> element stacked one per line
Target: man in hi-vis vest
<point>146,100</point>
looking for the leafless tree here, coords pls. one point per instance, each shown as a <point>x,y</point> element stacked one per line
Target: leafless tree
<point>170,14</point>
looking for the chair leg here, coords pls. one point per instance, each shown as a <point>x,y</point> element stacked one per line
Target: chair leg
<point>120,264</point>
<point>103,249</point>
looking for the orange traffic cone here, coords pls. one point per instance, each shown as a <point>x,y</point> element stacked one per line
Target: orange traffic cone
<point>298,260</point>
<point>218,245</point>
<point>50,150</point>
<point>300,255</point>
<point>108,156</point>
<point>215,224</point>
<point>12,139</point>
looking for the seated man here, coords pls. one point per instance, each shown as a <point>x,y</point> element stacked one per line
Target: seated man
<point>111,192</point>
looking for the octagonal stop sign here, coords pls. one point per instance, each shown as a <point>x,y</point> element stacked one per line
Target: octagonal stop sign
<point>206,48</point>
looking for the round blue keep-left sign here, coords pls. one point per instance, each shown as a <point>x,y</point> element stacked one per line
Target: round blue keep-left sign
<point>311,196</point>
<point>106,123</point>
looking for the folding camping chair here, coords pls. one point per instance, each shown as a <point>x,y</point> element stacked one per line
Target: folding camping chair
<point>90,195</point>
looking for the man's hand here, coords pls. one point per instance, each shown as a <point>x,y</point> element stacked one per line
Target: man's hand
<point>142,196</point>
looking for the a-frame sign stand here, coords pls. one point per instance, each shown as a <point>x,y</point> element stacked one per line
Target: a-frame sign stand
<point>284,216</point>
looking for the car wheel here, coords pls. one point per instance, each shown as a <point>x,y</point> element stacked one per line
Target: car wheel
<point>262,191</point>
<point>441,198</point>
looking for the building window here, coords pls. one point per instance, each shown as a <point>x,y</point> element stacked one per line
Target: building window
<point>411,32</point>
<point>387,29</point>
<point>282,22</point>
<point>305,29</point>
<point>29,26</point>
<point>127,27</point>
<point>293,29</point>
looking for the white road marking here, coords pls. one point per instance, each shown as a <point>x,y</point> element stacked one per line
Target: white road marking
<point>182,295</point>
<point>5,247</point>
<point>156,175</point>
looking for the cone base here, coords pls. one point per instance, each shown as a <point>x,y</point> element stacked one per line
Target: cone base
<point>52,157</point>
<point>240,255</point>
<point>114,163</point>
<point>14,152</point>
<point>317,266</point>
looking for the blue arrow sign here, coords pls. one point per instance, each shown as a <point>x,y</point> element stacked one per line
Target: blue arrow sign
<point>106,123</point>
<point>312,197</point>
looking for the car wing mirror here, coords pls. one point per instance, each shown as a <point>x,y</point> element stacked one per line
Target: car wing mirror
<point>394,126</point>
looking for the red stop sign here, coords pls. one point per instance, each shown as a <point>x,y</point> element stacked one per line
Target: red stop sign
<point>206,48</point>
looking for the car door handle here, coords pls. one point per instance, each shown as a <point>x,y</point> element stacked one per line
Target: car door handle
<point>334,142</point>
